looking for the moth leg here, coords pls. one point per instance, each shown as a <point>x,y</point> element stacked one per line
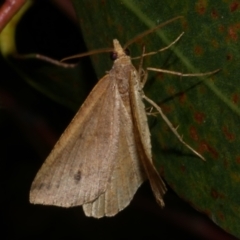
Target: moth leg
<point>141,72</point>
<point>143,80</point>
<point>173,129</point>
<point>160,50</point>
<point>182,74</point>
<point>150,112</point>
<point>145,75</point>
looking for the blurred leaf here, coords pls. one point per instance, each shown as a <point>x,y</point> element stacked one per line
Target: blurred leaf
<point>59,81</point>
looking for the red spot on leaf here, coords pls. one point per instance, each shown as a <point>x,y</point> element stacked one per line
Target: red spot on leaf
<point>208,213</point>
<point>215,43</point>
<point>193,133</point>
<point>225,163</point>
<point>166,109</point>
<point>160,75</point>
<point>233,32</point>
<point>234,6</point>
<point>221,28</point>
<point>171,90</point>
<point>120,29</point>
<point>199,117</point>
<point>221,216</point>
<point>235,98</point>
<point>182,97</point>
<point>183,168</point>
<point>205,147</point>
<point>161,171</point>
<point>215,194</point>
<point>238,159</point>
<point>214,14</point>
<point>229,57</point>
<point>198,50</point>
<point>228,135</point>
<point>201,6</point>
<point>185,25</point>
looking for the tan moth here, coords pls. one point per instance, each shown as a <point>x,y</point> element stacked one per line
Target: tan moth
<point>104,155</point>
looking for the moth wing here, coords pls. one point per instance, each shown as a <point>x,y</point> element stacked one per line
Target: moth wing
<point>127,175</point>
<point>142,136</point>
<point>79,167</point>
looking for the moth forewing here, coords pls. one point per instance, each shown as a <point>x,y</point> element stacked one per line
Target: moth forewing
<point>142,137</point>
<point>79,167</point>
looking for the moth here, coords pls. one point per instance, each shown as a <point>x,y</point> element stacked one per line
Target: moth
<point>104,155</point>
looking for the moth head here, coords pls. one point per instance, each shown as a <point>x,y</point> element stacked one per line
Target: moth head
<point>118,50</point>
<point>114,55</point>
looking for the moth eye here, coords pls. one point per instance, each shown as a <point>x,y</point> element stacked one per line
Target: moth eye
<point>113,56</point>
<point>127,51</point>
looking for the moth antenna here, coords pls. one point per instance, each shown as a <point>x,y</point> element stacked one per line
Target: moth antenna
<point>150,31</point>
<point>104,50</point>
<point>141,61</point>
<point>93,52</point>
<point>160,50</point>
